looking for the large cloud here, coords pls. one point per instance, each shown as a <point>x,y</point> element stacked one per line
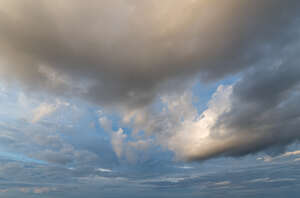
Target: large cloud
<point>122,52</point>
<point>245,118</point>
<point>264,110</point>
<point>258,112</point>
<point>125,53</point>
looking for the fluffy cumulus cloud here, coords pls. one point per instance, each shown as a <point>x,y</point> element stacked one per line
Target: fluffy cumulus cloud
<point>126,54</point>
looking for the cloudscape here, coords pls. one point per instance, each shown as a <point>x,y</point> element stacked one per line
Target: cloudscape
<point>149,98</point>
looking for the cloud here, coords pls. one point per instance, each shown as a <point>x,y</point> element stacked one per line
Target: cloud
<point>38,190</point>
<point>181,129</point>
<point>117,137</point>
<point>57,157</point>
<point>104,170</point>
<point>46,109</point>
<point>42,111</point>
<point>122,146</point>
<point>263,110</point>
<point>284,155</point>
<point>256,113</point>
<point>224,183</point>
<point>140,144</point>
<point>185,167</point>
<point>124,53</point>
<point>269,180</point>
<point>288,154</point>
<point>117,140</point>
<point>66,155</point>
<point>43,190</point>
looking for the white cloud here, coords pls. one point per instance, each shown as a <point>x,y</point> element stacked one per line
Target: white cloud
<point>181,129</point>
<point>288,154</point>
<point>260,180</point>
<point>42,111</point>
<point>269,180</point>
<point>117,141</point>
<point>223,183</point>
<point>268,158</point>
<point>140,144</point>
<point>46,109</point>
<point>185,167</point>
<point>165,179</point>
<point>104,170</point>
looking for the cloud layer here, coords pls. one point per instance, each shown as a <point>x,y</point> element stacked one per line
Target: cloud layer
<point>122,52</point>
<point>126,53</point>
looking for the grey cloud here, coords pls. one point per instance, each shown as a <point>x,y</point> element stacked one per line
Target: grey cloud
<point>122,52</point>
<point>235,178</point>
<point>125,53</point>
<point>67,155</point>
<point>264,111</point>
<point>282,178</point>
<point>31,143</point>
<point>258,113</point>
<point>56,157</point>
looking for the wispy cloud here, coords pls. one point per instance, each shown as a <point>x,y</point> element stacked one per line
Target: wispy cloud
<point>284,155</point>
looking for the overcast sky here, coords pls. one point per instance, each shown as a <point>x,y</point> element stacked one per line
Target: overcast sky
<point>149,98</point>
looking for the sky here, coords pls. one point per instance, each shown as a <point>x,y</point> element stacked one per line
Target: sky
<point>149,98</point>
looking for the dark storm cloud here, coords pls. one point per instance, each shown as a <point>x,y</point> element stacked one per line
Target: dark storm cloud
<point>121,52</point>
<point>264,110</point>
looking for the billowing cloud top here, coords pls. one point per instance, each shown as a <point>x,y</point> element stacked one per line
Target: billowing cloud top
<point>126,53</point>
